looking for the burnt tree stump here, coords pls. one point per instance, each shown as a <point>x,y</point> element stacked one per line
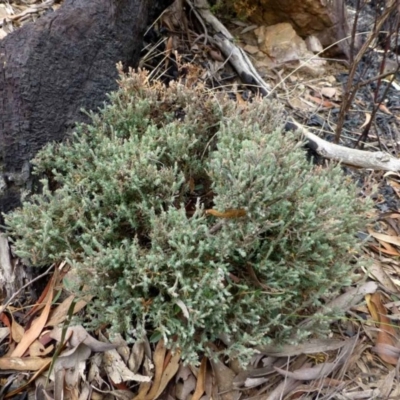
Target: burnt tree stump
<point>51,69</point>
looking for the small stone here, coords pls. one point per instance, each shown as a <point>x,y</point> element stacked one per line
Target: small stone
<point>313,44</point>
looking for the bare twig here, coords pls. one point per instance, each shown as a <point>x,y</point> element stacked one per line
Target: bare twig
<point>15,295</point>
<point>351,88</point>
<point>236,56</point>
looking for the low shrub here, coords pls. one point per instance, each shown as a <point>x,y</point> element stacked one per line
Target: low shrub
<point>194,218</point>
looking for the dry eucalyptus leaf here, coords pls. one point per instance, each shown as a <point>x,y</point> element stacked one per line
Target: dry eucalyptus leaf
<point>17,331</point>
<point>80,335</point>
<point>36,327</point>
<point>136,356</point>
<point>309,347</point>
<point>118,371</point>
<point>23,364</point>
<point>254,382</point>
<point>59,314</point>
<point>377,272</point>
<point>72,357</point>
<point>37,349</point>
<point>286,386</point>
<point>188,384</point>
<point>307,374</point>
<point>94,374</point>
<point>224,377</point>
<point>169,372</point>
<point>123,349</point>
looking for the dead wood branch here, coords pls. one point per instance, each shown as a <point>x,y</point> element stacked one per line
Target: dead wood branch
<point>377,160</point>
<point>236,56</point>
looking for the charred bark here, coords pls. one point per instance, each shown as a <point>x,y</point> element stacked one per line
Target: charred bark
<point>51,69</point>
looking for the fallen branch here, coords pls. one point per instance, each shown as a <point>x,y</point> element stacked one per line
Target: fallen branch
<point>236,56</point>
<point>377,160</point>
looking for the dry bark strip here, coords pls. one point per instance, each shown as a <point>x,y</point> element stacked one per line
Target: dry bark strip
<point>9,279</point>
<point>376,160</point>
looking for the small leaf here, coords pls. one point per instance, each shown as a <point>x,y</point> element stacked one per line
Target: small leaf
<point>230,213</point>
<point>155,337</point>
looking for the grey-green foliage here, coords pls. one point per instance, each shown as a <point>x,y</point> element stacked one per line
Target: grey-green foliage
<point>124,202</point>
